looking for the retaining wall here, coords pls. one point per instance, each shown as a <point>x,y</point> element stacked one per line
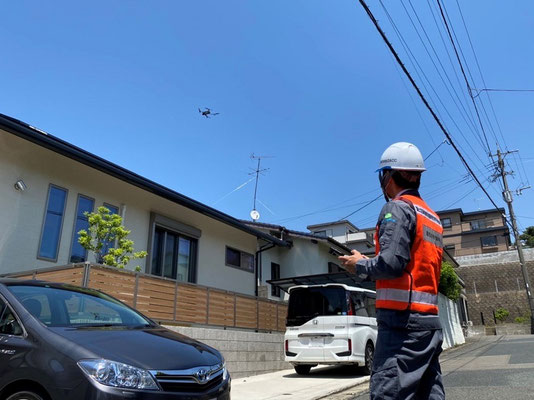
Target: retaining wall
<point>246,353</point>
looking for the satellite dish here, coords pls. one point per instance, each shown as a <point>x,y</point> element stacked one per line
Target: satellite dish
<point>255,215</point>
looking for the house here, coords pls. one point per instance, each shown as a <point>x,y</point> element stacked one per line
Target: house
<point>309,254</point>
<point>345,232</point>
<point>47,184</point>
<point>476,232</point>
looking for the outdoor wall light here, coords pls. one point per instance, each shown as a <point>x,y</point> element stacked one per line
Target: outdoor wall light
<point>20,185</point>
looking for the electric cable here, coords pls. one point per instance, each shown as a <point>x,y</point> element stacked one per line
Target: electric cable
<point>416,87</point>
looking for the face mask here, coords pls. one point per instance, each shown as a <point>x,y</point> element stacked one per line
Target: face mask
<point>384,176</point>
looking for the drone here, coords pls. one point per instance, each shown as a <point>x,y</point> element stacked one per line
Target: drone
<point>207,112</point>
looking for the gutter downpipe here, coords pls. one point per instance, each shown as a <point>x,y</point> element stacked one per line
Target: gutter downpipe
<point>258,274</point>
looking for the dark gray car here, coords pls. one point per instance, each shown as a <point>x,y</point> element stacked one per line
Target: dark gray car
<point>59,341</point>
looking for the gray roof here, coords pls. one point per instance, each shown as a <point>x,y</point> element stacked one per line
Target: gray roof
<point>341,221</point>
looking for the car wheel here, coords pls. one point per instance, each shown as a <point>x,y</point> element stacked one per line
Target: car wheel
<point>25,395</point>
<point>369,356</point>
<point>303,369</point>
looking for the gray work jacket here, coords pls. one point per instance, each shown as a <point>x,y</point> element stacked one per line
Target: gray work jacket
<point>396,232</point>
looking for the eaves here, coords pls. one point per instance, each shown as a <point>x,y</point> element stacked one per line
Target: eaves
<point>59,146</point>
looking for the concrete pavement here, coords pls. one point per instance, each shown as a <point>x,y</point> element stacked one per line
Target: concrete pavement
<point>321,383</point>
<point>487,368</point>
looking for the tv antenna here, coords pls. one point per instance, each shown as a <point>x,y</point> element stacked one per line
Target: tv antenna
<point>254,214</point>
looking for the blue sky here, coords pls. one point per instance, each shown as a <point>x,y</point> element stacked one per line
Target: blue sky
<point>307,82</point>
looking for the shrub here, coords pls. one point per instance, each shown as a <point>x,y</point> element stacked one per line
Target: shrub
<point>501,314</point>
<point>449,284</point>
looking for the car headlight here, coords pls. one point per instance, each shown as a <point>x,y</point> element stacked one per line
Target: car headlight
<point>116,374</point>
<point>225,372</point>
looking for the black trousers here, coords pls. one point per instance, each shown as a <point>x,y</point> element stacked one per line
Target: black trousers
<point>406,365</point>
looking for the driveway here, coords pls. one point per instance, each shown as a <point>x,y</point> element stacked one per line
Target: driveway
<point>287,385</point>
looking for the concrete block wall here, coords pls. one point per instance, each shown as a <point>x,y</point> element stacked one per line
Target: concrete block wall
<point>490,286</point>
<point>246,353</point>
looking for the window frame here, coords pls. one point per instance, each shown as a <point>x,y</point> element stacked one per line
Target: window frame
<point>479,222</point>
<point>485,246</point>
<point>76,219</point>
<point>446,226</point>
<point>241,253</point>
<point>50,186</point>
<point>193,254</point>
<point>24,333</point>
<point>275,290</point>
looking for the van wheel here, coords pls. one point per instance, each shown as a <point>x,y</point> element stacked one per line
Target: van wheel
<point>369,356</point>
<point>303,369</point>
<point>25,395</point>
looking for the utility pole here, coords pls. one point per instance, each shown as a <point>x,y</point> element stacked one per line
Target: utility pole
<point>507,194</point>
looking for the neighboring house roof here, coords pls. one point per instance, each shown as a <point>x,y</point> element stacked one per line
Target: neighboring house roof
<point>342,221</point>
<point>50,142</point>
<point>293,233</point>
<point>466,214</point>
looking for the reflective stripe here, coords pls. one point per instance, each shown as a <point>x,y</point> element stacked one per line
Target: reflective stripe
<point>430,235</point>
<point>427,214</point>
<point>404,296</point>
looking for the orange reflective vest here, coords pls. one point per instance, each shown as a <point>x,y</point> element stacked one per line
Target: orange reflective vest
<point>417,288</point>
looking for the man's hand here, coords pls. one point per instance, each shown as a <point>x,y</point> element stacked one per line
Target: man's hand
<point>350,261</point>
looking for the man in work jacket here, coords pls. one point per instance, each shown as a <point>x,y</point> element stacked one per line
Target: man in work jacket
<point>406,268</point>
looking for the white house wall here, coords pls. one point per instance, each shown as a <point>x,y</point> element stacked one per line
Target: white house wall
<point>21,214</point>
<point>304,258</point>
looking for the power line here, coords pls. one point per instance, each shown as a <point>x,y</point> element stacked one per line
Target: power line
<point>464,75</point>
<point>416,63</point>
<point>479,91</point>
<point>414,84</point>
<point>460,107</point>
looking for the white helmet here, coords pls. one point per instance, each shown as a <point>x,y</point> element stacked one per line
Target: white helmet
<point>402,156</point>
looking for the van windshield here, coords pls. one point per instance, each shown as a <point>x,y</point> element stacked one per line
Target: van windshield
<point>308,303</point>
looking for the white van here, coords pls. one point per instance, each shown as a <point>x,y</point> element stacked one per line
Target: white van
<point>330,323</point>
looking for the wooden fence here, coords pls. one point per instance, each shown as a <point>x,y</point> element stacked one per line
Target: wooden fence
<point>167,300</point>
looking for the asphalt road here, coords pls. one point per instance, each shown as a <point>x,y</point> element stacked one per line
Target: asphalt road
<point>487,368</point>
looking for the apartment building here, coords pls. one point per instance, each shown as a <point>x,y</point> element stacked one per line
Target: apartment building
<point>476,232</point>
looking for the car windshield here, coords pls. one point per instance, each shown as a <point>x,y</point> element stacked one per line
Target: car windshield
<point>61,307</point>
<point>308,303</point>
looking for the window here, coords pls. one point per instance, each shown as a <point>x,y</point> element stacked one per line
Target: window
<point>320,233</point>
<point>333,267</point>
<point>173,255</point>
<point>85,204</point>
<point>275,274</point>
<point>446,222</point>
<point>8,323</point>
<point>479,224</point>
<point>239,259</point>
<point>308,303</point>
<point>57,307</point>
<point>364,304</point>
<point>53,223</point>
<point>489,241</point>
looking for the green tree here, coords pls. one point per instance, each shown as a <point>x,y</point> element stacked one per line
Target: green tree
<point>528,236</point>
<point>449,284</point>
<point>105,229</point>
